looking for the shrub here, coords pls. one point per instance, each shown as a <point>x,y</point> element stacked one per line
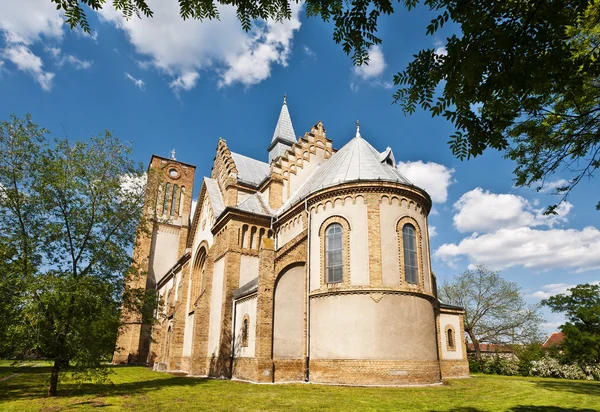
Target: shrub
<point>496,364</point>
<point>551,368</point>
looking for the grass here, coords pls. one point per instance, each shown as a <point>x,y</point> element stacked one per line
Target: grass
<point>138,388</point>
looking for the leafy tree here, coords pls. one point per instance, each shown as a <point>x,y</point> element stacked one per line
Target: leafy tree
<point>68,218</point>
<point>495,310</point>
<point>521,76</point>
<point>581,306</point>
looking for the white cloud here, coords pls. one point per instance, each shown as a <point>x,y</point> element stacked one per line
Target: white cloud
<point>22,57</point>
<point>138,82</point>
<point>60,59</point>
<point>554,289</point>
<point>308,51</point>
<point>93,35</point>
<point>551,290</point>
<point>433,177</point>
<point>550,187</point>
<point>24,22</point>
<point>182,48</point>
<point>27,21</point>
<point>77,63</point>
<point>375,66</point>
<point>132,185</point>
<point>186,82</point>
<point>578,250</point>
<point>440,48</point>
<point>432,231</point>
<point>483,211</point>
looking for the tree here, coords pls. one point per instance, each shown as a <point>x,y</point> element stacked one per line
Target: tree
<point>68,219</point>
<point>522,76</point>
<point>581,305</point>
<point>495,310</point>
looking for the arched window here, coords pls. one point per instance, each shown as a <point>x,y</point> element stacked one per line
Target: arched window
<point>181,201</point>
<point>245,331</point>
<point>450,338</point>
<point>198,275</point>
<point>334,253</point>
<point>174,200</point>
<point>167,197</point>
<point>409,240</point>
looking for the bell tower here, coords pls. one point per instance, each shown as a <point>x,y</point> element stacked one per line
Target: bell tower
<point>167,208</point>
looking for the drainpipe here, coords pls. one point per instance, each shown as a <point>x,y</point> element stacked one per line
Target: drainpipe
<point>231,355</point>
<point>307,360</point>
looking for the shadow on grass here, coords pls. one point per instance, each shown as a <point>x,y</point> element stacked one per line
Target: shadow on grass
<point>32,384</point>
<point>524,408</point>
<point>579,387</point>
<point>546,408</point>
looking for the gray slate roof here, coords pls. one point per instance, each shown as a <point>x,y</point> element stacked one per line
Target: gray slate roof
<point>356,161</point>
<point>284,129</point>
<point>214,194</point>
<point>250,171</point>
<point>246,289</point>
<point>256,203</point>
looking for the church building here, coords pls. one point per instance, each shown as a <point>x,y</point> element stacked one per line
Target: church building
<point>312,264</point>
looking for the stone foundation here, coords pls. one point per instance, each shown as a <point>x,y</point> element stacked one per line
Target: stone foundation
<point>245,369</point>
<point>454,369</point>
<point>288,370</point>
<point>374,372</point>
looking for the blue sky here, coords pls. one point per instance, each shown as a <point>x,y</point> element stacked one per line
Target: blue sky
<point>165,84</point>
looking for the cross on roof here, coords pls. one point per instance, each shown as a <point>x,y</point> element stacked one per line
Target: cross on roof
<point>173,154</point>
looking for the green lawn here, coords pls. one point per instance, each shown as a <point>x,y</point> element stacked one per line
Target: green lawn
<point>137,388</point>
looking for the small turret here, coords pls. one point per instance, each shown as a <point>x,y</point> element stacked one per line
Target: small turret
<point>284,136</point>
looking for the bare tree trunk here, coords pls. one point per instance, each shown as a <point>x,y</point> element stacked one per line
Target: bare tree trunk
<point>54,377</point>
<point>475,344</point>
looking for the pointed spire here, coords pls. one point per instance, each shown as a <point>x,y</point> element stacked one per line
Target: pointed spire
<point>284,136</point>
<point>284,129</point>
<point>357,129</point>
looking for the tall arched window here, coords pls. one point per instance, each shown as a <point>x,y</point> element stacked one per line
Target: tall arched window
<point>198,275</point>
<point>409,240</point>
<point>174,200</point>
<point>167,197</point>
<point>333,253</point>
<point>245,331</point>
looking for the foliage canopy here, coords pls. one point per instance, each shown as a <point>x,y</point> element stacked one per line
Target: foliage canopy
<point>581,306</point>
<point>68,219</point>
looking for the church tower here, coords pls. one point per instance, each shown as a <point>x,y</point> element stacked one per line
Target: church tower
<point>284,136</point>
<point>167,209</point>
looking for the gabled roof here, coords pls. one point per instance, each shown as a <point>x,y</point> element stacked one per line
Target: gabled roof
<point>250,171</point>
<point>356,161</point>
<point>256,204</point>
<point>284,130</point>
<point>554,340</point>
<point>214,195</point>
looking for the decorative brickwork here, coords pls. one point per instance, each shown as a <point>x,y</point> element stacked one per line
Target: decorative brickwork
<point>454,369</point>
<point>374,372</point>
<point>288,370</point>
<point>233,254</point>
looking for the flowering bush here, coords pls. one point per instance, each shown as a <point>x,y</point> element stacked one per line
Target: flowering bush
<point>551,368</point>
